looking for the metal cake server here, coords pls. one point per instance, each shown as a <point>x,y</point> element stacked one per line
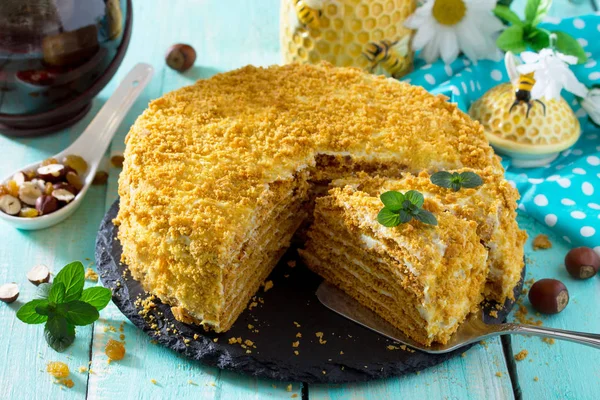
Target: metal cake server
<point>473,329</point>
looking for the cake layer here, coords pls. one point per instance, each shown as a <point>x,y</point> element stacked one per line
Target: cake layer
<point>411,275</point>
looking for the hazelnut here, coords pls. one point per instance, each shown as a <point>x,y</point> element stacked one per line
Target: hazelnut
<point>28,212</point>
<point>38,275</point>
<point>10,204</point>
<point>100,178</point>
<point>63,195</point>
<point>29,192</point>
<point>19,178</point>
<point>9,292</point>
<point>582,262</point>
<point>64,185</point>
<point>181,57</point>
<point>77,163</point>
<point>549,296</point>
<point>46,204</point>
<point>52,172</point>
<point>74,180</point>
<point>117,160</point>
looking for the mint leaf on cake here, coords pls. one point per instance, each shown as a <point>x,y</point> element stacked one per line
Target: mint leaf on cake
<point>401,208</point>
<point>455,180</point>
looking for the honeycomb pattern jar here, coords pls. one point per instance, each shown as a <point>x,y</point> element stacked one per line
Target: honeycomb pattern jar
<point>530,140</point>
<point>348,33</point>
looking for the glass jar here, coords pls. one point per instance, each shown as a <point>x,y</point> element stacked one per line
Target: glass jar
<point>368,34</point>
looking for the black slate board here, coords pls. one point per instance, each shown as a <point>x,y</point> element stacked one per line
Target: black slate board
<point>292,299</point>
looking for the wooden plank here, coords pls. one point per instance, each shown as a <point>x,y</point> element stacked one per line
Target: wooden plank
<point>218,49</point>
<point>23,350</point>
<point>564,370</point>
<point>470,377</point>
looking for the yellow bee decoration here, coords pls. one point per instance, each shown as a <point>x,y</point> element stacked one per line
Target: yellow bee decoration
<point>523,84</point>
<point>309,12</point>
<point>391,56</point>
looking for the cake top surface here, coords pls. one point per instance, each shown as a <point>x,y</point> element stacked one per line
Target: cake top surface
<point>199,159</point>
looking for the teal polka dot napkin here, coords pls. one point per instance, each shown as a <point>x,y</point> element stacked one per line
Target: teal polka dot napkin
<point>564,195</point>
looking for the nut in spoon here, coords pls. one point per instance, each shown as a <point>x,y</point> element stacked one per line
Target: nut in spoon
<point>472,330</point>
<point>91,145</point>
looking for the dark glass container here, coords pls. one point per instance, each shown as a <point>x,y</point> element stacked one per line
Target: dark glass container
<point>55,56</point>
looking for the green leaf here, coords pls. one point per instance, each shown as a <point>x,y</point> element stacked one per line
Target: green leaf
<point>78,312</point>
<point>28,314</point>
<point>57,293</point>
<point>42,309</point>
<point>43,290</point>
<point>470,179</point>
<point>512,39</point>
<point>392,200</point>
<point>507,14</point>
<point>567,44</point>
<point>426,217</point>
<point>388,218</point>
<point>96,296</point>
<point>59,333</point>
<point>536,10</point>
<point>538,39</point>
<point>441,179</point>
<point>405,216</point>
<point>415,198</point>
<point>73,277</point>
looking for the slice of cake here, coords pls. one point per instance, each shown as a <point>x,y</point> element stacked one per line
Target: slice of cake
<point>422,279</point>
<point>492,205</point>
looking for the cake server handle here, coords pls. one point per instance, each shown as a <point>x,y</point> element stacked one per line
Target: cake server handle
<point>589,339</point>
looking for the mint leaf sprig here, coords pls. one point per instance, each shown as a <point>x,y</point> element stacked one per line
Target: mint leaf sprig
<point>455,180</point>
<point>64,304</point>
<point>401,208</point>
<point>524,34</point>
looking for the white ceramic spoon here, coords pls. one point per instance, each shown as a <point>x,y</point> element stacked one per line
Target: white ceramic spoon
<point>91,145</point>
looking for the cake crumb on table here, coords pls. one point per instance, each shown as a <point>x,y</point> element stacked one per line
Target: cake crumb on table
<point>520,356</point>
<point>548,340</point>
<point>296,352</point>
<point>494,313</point>
<point>190,382</point>
<point>541,242</point>
<point>296,343</point>
<point>154,381</point>
<point>82,370</point>
<point>297,324</point>
<point>91,275</point>
<point>499,374</point>
<point>288,388</point>
<point>268,285</point>
<point>298,335</point>
<point>535,379</point>
<point>294,395</point>
<point>320,336</point>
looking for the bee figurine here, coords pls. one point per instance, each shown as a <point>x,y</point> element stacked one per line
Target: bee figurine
<point>308,12</point>
<point>391,56</point>
<point>523,83</point>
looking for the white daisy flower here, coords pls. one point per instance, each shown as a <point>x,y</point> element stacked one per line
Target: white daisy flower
<point>447,27</point>
<point>591,104</point>
<point>551,73</point>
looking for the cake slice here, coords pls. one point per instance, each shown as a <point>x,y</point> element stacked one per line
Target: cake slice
<point>422,279</point>
<point>491,205</point>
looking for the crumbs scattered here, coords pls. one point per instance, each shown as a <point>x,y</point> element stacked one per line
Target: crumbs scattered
<point>214,340</point>
<point>296,343</point>
<point>548,340</point>
<point>499,374</point>
<point>297,324</point>
<point>535,379</point>
<point>296,352</point>
<point>91,275</point>
<point>252,305</point>
<point>463,355</point>
<point>298,335</point>
<point>320,336</point>
<point>391,347</point>
<point>522,316</point>
<point>83,370</point>
<point>483,343</point>
<point>494,313</point>
<point>268,286</point>
<point>154,381</point>
<point>190,382</point>
<point>324,372</point>
<point>288,388</point>
<point>341,353</point>
<point>541,242</point>
<point>520,356</point>
<point>294,395</point>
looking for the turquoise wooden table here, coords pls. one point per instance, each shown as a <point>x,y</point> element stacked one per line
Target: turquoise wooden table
<point>229,34</point>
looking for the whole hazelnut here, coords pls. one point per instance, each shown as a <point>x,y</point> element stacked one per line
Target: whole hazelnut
<point>29,192</point>
<point>181,57</point>
<point>46,204</point>
<point>549,296</point>
<point>582,262</point>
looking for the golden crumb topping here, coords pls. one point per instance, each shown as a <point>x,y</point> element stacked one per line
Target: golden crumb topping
<point>199,159</point>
